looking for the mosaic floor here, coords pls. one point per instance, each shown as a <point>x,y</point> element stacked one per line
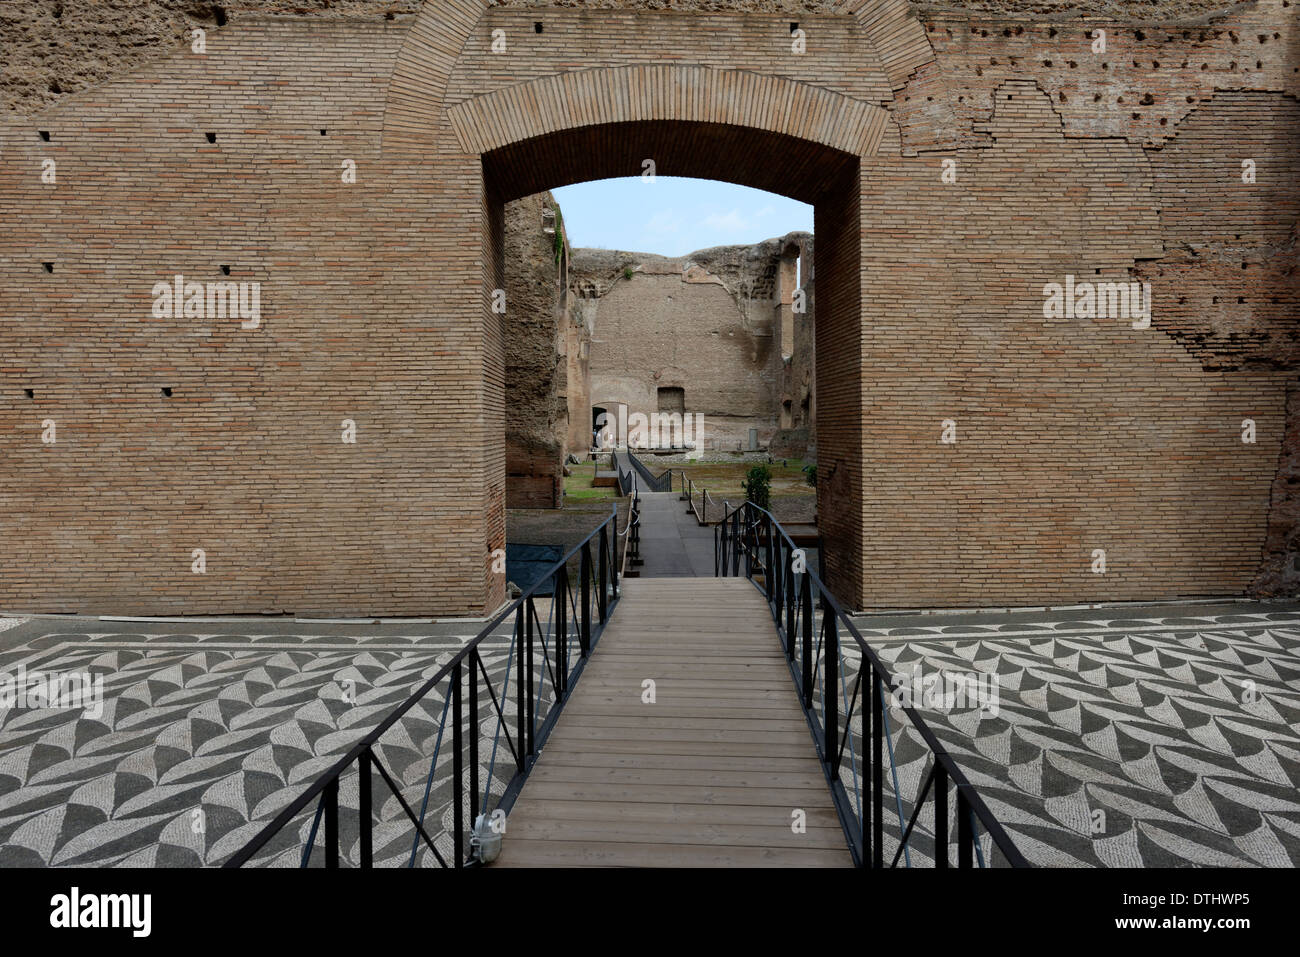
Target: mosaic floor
<point>1124,742</point>
<point>204,737</point>
<point>1120,742</point>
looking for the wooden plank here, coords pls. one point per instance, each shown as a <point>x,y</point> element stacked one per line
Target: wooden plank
<point>535,853</point>
<point>710,774</point>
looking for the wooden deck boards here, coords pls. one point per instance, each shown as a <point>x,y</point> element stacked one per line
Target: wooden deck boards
<point>709,775</point>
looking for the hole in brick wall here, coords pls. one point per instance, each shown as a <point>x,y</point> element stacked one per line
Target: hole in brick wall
<point>984,33</point>
<point>1137,116</point>
<point>49,267</point>
<point>1155,64</point>
<point>54,87</point>
<point>1105,66</point>
<point>1243,265</point>
<point>225,270</point>
<point>1191,99</point>
<point>1097,271</point>
<point>58,11</point>
<point>45,135</point>
<point>1205,66</point>
<point>220,14</point>
<point>30,393</point>
<point>1008,96</point>
<point>1232,35</point>
<point>1137,65</point>
<point>1241,300</point>
<point>1148,99</point>
<point>1184,66</point>
<point>1259,64</point>
<point>1051,31</point>
<point>212,137</point>
<point>1019,30</point>
<point>1006,32</point>
<point>167,391</point>
<point>1140,35</point>
<point>794,25</point>
<point>1061,96</point>
<point>1096,97</point>
<point>323,132</point>
<point>537,26</point>
<point>1072,64</point>
<point>1047,63</point>
<point>1120,100</point>
<point>1164,121</point>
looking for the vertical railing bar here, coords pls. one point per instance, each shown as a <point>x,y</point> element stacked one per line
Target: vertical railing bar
<point>364,813</point>
<point>940,814</point>
<point>474,729</point>
<point>332,824</point>
<point>964,856</point>
<point>458,768</point>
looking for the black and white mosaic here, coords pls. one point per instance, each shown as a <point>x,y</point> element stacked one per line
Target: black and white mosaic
<point>1122,742</point>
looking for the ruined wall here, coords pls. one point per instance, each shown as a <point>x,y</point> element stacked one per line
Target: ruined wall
<point>1071,436</point>
<point>709,323</point>
<point>539,333</point>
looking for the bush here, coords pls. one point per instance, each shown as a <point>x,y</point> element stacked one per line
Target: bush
<point>758,486</point>
<point>812,475</point>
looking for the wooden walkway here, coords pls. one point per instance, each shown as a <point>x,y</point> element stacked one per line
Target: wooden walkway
<point>709,775</point>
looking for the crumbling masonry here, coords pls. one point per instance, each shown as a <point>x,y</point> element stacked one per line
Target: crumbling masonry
<point>356,160</point>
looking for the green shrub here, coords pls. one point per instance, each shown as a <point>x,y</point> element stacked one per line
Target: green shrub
<point>627,272</point>
<point>758,486</point>
<point>812,475</point>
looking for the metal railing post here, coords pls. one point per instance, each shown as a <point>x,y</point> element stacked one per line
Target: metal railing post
<point>788,574</point>
<point>584,631</point>
<point>831,695</point>
<point>365,816</point>
<point>767,565</point>
<point>964,836</point>
<point>521,735</point>
<point>531,698</point>
<point>561,598</point>
<point>878,768</point>
<point>472,726</point>
<point>806,665</point>
<point>602,573</point>
<point>940,814</point>
<point>331,797</point>
<point>457,769</point>
<point>807,619</point>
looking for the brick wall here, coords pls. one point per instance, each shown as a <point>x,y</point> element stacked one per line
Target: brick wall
<point>1071,436</point>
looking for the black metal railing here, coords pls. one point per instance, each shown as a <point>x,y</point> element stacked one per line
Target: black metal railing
<point>649,481</point>
<point>520,678</point>
<point>847,696</point>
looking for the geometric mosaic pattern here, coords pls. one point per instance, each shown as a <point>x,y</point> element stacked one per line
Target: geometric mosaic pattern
<point>205,737</point>
<point>1117,742</point>
<point>1156,742</point>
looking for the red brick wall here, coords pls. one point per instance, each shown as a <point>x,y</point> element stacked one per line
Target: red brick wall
<point>1071,435</point>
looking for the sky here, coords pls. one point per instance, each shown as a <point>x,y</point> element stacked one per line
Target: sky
<point>673,216</point>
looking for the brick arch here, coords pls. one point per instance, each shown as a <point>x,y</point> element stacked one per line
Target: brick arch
<point>417,89</point>
<point>667,92</point>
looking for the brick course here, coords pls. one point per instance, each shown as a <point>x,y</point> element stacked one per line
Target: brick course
<point>375,297</point>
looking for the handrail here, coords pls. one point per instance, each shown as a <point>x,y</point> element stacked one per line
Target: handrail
<point>585,626</point>
<point>653,483</point>
<point>789,586</point>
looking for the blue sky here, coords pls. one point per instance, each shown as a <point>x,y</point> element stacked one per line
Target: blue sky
<point>673,216</point>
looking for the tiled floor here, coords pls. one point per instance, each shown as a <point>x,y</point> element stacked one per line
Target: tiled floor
<point>1124,737</point>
